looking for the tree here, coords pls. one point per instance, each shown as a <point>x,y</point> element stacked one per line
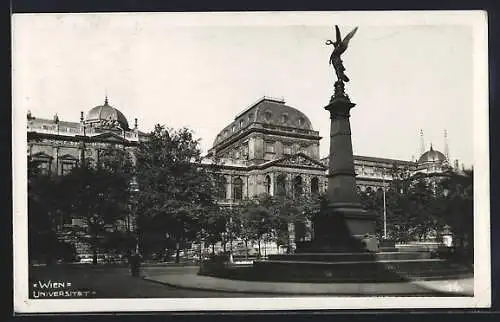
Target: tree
<point>42,219</point>
<point>257,219</point>
<point>177,192</point>
<point>411,212</point>
<point>456,204</point>
<point>100,197</point>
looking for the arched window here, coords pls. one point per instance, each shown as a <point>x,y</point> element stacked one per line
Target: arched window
<point>369,190</point>
<point>268,184</point>
<point>237,189</point>
<point>222,188</point>
<point>267,115</point>
<point>281,185</point>
<point>380,191</point>
<point>314,185</point>
<point>297,186</point>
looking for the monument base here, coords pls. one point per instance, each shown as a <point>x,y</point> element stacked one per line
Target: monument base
<point>344,227</point>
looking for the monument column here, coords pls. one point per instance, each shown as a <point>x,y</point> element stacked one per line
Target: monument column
<point>343,225</point>
<point>343,200</point>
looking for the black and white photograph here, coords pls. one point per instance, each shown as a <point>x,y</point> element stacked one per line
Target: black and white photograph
<point>250,161</point>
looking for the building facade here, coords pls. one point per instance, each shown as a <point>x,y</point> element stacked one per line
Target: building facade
<point>59,145</point>
<point>268,148</point>
<point>271,147</point>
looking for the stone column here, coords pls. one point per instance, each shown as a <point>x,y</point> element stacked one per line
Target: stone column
<point>291,237</point>
<point>230,188</point>
<point>345,211</point>
<point>308,230</point>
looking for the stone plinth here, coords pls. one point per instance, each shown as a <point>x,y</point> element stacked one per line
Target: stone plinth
<point>345,219</point>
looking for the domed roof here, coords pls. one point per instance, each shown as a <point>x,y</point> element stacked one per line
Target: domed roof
<point>432,156</point>
<point>269,111</point>
<point>107,113</point>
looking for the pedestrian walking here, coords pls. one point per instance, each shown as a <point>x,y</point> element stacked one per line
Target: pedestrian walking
<point>135,263</point>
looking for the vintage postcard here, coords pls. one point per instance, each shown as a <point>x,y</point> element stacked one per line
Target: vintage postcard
<point>215,161</point>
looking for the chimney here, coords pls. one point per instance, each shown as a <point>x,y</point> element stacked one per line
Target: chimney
<point>135,123</point>
<point>456,164</point>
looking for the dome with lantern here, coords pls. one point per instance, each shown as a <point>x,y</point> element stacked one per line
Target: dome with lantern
<point>107,116</point>
<point>432,161</point>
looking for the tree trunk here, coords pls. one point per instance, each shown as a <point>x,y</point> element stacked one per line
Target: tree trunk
<point>94,256</point>
<point>213,248</point>
<point>246,249</point>
<point>94,250</point>
<point>258,243</point>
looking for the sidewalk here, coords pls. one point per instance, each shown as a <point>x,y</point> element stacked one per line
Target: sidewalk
<point>188,279</point>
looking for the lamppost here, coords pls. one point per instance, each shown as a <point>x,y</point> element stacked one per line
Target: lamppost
<point>132,216</point>
<point>385,206</point>
<point>231,236</point>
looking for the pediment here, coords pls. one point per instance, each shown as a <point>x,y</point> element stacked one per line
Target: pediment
<point>41,155</point>
<point>68,157</point>
<point>109,137</point>
<point>299,160</point>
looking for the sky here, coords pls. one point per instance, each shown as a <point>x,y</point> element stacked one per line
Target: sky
<point>186,71</point>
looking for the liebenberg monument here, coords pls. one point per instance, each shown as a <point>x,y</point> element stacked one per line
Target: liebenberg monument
<point>345,226</point>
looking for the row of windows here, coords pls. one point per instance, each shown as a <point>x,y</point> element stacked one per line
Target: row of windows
<point>297,185</point>
<point>237,189</point>
<point>64,167</point>
<point>284,118</point>
<point>267,117</point>
<point>281,187</point>
<point>239,152</point>
<point>287,149</point>
<point>241,123</point>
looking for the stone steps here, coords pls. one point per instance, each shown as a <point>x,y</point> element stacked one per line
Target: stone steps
<point>336,257</point>
<point>362,262</point>
<point>363,270</point>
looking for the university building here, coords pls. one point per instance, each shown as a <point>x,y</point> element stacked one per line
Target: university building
<point>59,145</point>
<point>270,147</point>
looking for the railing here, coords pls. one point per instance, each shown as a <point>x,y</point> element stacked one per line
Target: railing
<point>68,131</point>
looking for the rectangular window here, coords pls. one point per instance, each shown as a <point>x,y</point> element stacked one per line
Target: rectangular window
<point>269,147</point>
<point>44,167</point>
<point>66,167</point>
<point>287,150</point>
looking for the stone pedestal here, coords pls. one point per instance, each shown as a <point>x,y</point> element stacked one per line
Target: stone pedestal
<point>343,202</point>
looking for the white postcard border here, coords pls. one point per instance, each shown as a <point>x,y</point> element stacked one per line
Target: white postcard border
<point>482,281</point>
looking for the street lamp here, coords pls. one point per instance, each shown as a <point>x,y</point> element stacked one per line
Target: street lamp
<point>133,213</point>
<point>385,207</point>
<point>231,237</point>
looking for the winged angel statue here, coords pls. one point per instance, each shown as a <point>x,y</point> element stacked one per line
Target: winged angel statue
<point>340,46</point>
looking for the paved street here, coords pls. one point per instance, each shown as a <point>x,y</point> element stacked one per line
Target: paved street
<point>106,281</point>
<point>116,282</point>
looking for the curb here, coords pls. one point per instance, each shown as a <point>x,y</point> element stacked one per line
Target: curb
<point>337,294</point>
